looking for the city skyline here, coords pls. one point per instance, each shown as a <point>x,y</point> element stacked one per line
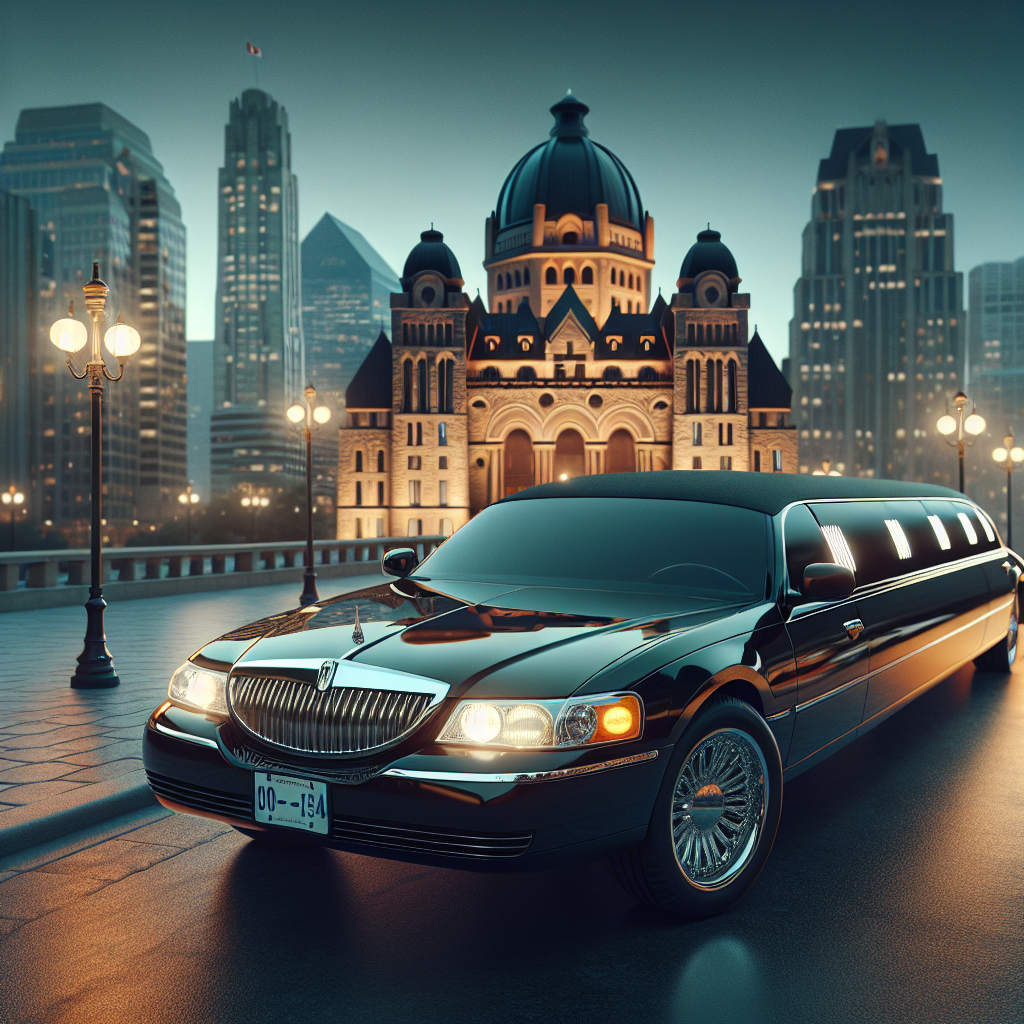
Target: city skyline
<point>391,173</point>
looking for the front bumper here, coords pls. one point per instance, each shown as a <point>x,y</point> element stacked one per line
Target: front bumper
<point>515,811</point>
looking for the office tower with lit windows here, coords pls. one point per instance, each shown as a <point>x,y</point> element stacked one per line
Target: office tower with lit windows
<point>258,350</point>
<point>996,341</point>
<point>99,194</point>
<point>877,336</point>
<point>19,288</point>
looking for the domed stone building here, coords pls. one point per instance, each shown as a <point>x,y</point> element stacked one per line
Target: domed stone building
<point>569,368</point>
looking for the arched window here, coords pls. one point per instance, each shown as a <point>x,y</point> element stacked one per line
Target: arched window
<point>611,373</point>
<point>569,458</point>
<point>700,334</point>
<point>405,334</point>
<point>518,462</point>
<point>407,386</point>
<point>526,275</point>
<point>731,383</point>
<point>718,385</point>
<point>423,334</point>
<point>359,462</point>
<point>519,279</point>
<point>550,276</point>
<point>490,373</point>
<point>419,433</point>
<point>710,383</point>
<point>631,281</point>
<point>613,275</point>
<point>380,462</point>
<point>691,333</point>
<point>409,439</point>
<point>621,454</point>
<point>647,374</point>
<point>692,385</point>
<point>423,405</point>
<point>526,373</point>
<point>442,435</point>
<point>442,385</point>
<point>568,276</point>
<point>718,332</point>
<point>501,283</point>
<point>508,280</point>
<point>430,334</point>
<point>622,278</point>
<point>570,238</point>
<point>587,276</point>
<point>448,333</point>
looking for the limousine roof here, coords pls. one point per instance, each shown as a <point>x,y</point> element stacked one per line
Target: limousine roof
<point>764,492</point>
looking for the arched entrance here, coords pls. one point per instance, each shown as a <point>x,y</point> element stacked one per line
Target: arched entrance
<point>569,455</point>
<point>621,457</point>
<point>518,462</point>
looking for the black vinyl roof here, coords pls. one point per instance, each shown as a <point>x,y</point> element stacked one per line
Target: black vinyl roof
<point>763,492</point>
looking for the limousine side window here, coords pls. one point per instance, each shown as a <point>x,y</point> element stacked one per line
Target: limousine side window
<point>859,527</point>
<point>805,543</point>
<point>964,536</point>
<point>973,519</point>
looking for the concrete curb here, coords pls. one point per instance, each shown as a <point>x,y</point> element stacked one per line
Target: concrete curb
<point>46,820</point>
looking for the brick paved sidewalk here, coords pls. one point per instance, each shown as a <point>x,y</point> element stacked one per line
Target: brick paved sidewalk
<point>55,740</point>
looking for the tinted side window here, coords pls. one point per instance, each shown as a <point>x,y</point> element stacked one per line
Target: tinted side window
<point>973,520</point>
<point>861,526</point>
<point>953,538</point>
<point>805,543</point>
<point>920,539</point>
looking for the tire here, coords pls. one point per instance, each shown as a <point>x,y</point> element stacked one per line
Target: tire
<point>1001,657</point>
<point>729,760</point>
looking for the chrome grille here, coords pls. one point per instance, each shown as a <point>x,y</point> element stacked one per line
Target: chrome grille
<point>342,720</point>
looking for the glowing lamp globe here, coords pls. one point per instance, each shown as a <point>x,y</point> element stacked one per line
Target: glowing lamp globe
<point>321,414</point>
<point>1017,454</point>
<point>946,424</point>
<point>974,424</point>
<point>69,335</point>
<point>296,413</point>
<point>999,455</point>
<point>122,341</point>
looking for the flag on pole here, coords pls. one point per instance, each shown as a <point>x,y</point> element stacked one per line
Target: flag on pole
<point>254,50</point>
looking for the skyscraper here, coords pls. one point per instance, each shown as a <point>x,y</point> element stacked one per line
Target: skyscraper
<point>996,341</point>
<point>258,350</point>
<point>346,288</point>
<point>19,287</point>
<point>200,406</point>
<point>877,336</point>
<point>99,194</point>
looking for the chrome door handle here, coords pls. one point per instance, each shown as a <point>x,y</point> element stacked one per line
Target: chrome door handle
<point>853,628</point>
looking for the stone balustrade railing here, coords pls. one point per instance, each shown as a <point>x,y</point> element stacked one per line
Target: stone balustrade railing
<point>57,570</point>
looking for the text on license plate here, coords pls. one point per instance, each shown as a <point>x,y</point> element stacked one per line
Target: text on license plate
<point>290,801</point>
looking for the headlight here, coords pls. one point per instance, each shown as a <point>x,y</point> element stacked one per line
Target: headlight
<point>545,724</point>
<point>200,688</point>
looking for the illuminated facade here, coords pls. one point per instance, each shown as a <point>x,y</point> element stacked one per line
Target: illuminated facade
<point>877,336</point>
<point>569,369</point>
<point>258,350</point>
<point>99,194</point>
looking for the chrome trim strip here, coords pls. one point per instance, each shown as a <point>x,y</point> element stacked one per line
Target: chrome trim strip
<point>187,737</point>
<point>512,777</point>
<point>898,661</point>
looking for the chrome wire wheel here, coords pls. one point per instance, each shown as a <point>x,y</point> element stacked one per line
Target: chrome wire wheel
<point>718,807</point>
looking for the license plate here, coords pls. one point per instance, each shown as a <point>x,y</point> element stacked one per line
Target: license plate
<point>291,802</point>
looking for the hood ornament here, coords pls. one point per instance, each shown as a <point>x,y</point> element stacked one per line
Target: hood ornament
<point>357,632</point>
<point>325,676</point>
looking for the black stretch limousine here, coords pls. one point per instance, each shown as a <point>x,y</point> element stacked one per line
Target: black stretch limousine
<point>626,665</point>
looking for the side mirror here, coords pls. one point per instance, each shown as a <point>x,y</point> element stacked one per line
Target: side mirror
<point>826,581</point>
<point>398,562</point>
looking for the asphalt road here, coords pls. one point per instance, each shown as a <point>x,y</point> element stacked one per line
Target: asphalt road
<point>894,893</point>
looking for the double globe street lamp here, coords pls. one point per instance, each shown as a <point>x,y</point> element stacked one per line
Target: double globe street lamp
<point>13,497</point>
<point>960,424</point>
<point>1009,456</point>
<point>309,416</point>
<point>188,498</point>
<point>95,665</point>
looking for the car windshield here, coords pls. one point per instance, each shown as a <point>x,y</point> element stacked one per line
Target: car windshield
<point>690,547</point>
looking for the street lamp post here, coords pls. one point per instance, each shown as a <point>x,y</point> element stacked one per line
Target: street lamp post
<point>13,497</point>
<point>949,425</point>
<point>1009,457</point>
<point>255,502</point>
<point>310,416</point>
<point>95,665</point>
<point>188,499</point>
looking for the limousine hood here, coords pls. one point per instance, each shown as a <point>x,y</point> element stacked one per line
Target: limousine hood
<point>502,648</point>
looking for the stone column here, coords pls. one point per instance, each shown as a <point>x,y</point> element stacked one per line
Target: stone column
<point>543,461</point>
<point>596,457</point>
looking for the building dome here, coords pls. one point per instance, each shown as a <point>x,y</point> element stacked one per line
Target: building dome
<point>569,174</point>
<point>709,252</point>
<point>430,253</point>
